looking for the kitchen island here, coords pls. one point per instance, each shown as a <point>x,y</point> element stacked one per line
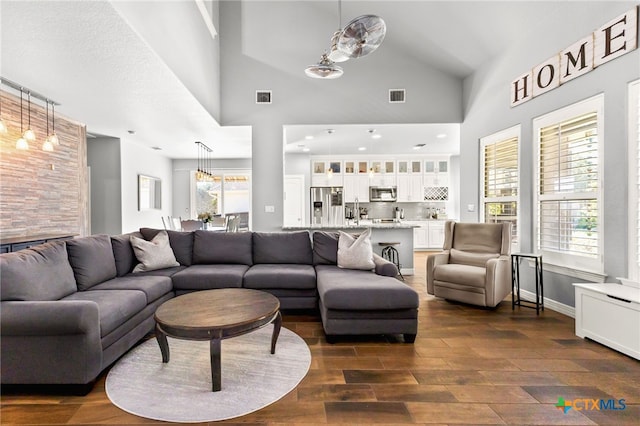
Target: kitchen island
<point>380,232</point>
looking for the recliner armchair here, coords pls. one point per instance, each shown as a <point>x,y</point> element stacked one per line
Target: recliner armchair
<point>474,266</point>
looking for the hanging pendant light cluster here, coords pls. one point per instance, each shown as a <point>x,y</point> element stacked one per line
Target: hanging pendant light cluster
<point>205,163</point>
<point>29,135</point>
<point>358,38</point>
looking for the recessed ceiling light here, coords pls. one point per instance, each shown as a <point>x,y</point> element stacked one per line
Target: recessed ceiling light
<point>362,148</point>
<point>418,146</point>
<point>308,137</point>
<point>305,149</point>
<point>441,135</point>
<point>330,131</point>
<point>376,136</point>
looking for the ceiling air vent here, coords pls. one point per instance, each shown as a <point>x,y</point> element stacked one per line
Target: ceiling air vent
<point>263,96</point>
<point>396,96</point>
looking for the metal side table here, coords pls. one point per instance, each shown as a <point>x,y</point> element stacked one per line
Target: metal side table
<point>516,300</point>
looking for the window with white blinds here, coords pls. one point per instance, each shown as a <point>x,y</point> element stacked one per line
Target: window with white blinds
<point>500,179</point>
<point>634,180</point>
<point>568,193</point>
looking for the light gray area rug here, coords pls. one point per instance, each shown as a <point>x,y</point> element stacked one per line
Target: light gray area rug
<point>180,391</point>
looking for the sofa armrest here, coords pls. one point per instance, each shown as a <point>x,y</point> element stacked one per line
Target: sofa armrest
<point>498,279</point>
<point>384,267</point>
<point>56,342</point>
<point>51,318</point>
<point>434,260</point>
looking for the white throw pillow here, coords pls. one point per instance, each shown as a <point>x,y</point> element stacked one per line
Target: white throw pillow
<point>355,253</point>
<point>154,254</point>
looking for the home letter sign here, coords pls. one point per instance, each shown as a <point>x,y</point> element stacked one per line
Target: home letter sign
<point>613,39</point>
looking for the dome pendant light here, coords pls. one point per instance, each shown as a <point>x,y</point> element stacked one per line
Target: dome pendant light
<point>21,143</point>
<point>29,134</point>
<point>324,69</point>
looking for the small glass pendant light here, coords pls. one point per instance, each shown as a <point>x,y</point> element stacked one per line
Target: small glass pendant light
<point>21,143</point>
<point>3,127</point>
<point>29,134</point>
<point>53,137</point>
<point>47,145</point>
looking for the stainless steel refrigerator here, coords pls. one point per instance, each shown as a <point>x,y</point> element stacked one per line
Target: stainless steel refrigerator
<point>327,206</point>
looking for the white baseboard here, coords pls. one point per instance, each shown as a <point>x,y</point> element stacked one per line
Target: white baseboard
<point>567,310</point>
<point>407,271</point>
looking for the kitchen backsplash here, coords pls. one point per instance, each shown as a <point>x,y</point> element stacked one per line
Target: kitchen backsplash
<point>412,211</point>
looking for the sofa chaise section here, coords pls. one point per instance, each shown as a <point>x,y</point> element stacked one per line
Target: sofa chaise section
<point>356,302</point>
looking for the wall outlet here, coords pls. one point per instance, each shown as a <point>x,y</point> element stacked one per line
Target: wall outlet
<point>269,209</point>
<point>471,207</point>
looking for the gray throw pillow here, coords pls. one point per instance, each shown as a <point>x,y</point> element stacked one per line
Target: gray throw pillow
<point>355,253</point>
<point>154,254</point>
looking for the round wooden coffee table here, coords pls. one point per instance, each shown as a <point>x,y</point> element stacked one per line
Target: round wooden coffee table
<point>215,315</point>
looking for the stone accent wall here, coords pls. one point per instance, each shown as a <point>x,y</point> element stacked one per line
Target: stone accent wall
<point>42,192</point>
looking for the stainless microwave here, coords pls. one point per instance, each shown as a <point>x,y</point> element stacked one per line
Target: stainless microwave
<point>383,193</point>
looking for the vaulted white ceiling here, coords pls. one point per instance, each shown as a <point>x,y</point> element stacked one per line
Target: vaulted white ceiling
<point>109,73</point>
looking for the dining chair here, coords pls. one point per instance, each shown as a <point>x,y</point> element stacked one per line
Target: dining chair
<point>191,225</point>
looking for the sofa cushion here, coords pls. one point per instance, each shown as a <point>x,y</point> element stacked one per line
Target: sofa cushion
<point>92,260</point>
<point>471,258</point>
<point>37,274</point>
<point>123,253</point>
<point>282,247</point>
<point>271,276</point>
<point>115,307</point>
<point>469,275</point>
<point>222,247</point>
<point>325,248</point>
<point>154,254</point>
<point>206,277</point>
<point>355,252</point>
<point>181,243</point>
<point>154,287</point>
<point>350,289</point>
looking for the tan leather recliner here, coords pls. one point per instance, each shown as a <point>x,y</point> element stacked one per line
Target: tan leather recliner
<point>475,264</point>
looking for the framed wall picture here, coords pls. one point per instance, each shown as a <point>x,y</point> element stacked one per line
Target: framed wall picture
<point>149,193</point>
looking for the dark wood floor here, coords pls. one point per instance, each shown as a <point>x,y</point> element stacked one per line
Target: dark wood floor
<point>467,366</point>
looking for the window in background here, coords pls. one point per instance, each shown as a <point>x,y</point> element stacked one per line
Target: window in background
<point>634,181</point>
<point>226,192</point>
<point>569,190</point>
<point>500,179</point>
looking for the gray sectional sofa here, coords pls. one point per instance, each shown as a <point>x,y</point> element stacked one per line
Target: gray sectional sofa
<point>70,309</point>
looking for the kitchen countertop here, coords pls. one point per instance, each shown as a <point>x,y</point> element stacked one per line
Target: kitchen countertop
<point>363,224</point>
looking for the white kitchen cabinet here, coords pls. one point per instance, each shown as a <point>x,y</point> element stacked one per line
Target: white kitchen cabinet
<point>356,186</point>
<point>410,188</point>
<point>421,237</point>
<point>609,314</point>
<point>436,234</point>
<point>326,173</point>
<point>429,235</point>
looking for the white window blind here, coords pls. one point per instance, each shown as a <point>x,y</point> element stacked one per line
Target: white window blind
<point>634,180</point>
<point>568,187</point>
<point>500,179</point>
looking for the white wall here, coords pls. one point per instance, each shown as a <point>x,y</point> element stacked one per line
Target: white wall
<point>179,36</point>
<point>136,159</point>
<point>487,110</point>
